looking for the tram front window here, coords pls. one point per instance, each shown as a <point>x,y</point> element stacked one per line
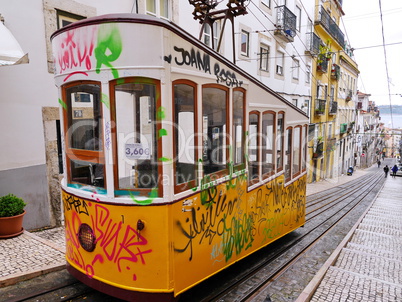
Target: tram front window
<point>84,146</point>
<point>136,129</point>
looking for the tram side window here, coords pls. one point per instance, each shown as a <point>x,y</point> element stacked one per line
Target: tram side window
<point>268,120</point>
<point>253,154</point>
<point>214,128</point>
<point>184,128</point>
<point>296,150</point>
<point>134,105</point>
<point>85,157</point>
<point>279,142</point>
<point>304,148</point>
<point>288,152</point>
<point>238,131</point>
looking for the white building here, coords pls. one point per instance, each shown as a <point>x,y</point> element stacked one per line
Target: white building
<point>272,42</point>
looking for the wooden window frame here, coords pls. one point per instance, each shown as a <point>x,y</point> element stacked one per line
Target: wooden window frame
<point>96,157</point>
<point>258,144</point>
<point>304,143</point>
<point>289,156</point>
<point>221,173</point>
<point>191,184</point>
<point>300,150</point>
<point>243,164</point>
<point>136,80</point>
<point>266,175</point>
<point>279,168</point>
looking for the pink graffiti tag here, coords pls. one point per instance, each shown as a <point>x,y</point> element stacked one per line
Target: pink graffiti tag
<point>76,50</point>
<point>116,242</point>
<point>108,233</point>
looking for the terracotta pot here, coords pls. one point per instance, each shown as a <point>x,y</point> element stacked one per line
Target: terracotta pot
<point>11,226</point>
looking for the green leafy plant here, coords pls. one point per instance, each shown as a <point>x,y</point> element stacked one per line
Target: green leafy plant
<point>11,205</point>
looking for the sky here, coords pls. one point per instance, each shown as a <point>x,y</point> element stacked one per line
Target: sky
<point>366,33</point>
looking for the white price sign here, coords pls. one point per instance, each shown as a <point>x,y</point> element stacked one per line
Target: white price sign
<point>137,151</point>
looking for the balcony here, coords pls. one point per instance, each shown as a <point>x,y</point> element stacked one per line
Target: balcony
<point>350,127</point>
<point>333,108</point>
<point>322,64</point>
<point>285,24</point>
<point>319,150</point>
<point>343,128</point>
<point>335,72</point>
<point>320,107</point>
<point>349,96</point>
<point>331,27</point>
<point>313,44</point>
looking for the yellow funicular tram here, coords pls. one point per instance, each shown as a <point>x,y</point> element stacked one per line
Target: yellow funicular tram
<point>177,162</point>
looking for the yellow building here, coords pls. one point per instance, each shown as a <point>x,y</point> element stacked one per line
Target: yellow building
<point>333,88</point>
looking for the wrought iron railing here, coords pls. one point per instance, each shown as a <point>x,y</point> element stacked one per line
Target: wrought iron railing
<point>322,64</point>
<point>349,96</point>
<point>343,127</point>
<point>336,72</point>
<point>313,43</point>
<point>333,107</point>
<point>286,20</point>
<point>329,24</point>
<point>320,106</point>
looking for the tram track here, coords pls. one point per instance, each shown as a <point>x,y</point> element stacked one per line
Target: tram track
<point>344,199</point>
<point>336,197</point>
<point>245,281</point>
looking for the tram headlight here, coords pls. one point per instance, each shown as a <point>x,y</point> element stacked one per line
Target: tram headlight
<point>86,237</point>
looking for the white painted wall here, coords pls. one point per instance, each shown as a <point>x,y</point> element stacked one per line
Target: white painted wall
<point>25,88</point>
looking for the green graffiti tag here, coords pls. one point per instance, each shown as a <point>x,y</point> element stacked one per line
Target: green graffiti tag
<point>160,114</point>
<point>109,47</point>
<point>162,132</point>
<point>152,195</point>
<point>238,235</point>
<point>64,105</point>
<point>105,100</point>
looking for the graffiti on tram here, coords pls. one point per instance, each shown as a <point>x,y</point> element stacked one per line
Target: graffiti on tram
<point>119,243</point>
<point>231,221</point>
<point>202,62</point>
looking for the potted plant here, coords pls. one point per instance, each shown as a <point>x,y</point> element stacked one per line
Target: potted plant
<point>11,215</point>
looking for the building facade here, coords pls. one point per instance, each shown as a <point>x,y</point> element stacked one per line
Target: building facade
<point>369,135</point>
<point>333,88</point>
<point>295,48</point>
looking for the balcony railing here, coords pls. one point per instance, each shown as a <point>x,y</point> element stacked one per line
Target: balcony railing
<point>333,108</point>
<point>285,24</point>
<point>319,150</point>
<point>335,72</point>
<point>313,43</point>
<point>320,106</point>
<point>329,24</point>
<point>322,64</point>
<point>349,96</point>
<point>343,128</point>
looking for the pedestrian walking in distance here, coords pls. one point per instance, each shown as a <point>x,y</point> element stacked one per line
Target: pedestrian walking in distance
<point>386,170</point>
<point>379,163</point>
<point>394,169</point>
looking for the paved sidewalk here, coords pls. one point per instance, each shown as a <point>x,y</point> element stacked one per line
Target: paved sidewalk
<point>336,181</point>
<point>31,254</point>
<point>367,265</point>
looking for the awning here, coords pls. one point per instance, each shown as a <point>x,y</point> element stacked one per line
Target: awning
<point>10,50</point>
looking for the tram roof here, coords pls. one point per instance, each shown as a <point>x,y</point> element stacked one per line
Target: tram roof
<point>151,20</point>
